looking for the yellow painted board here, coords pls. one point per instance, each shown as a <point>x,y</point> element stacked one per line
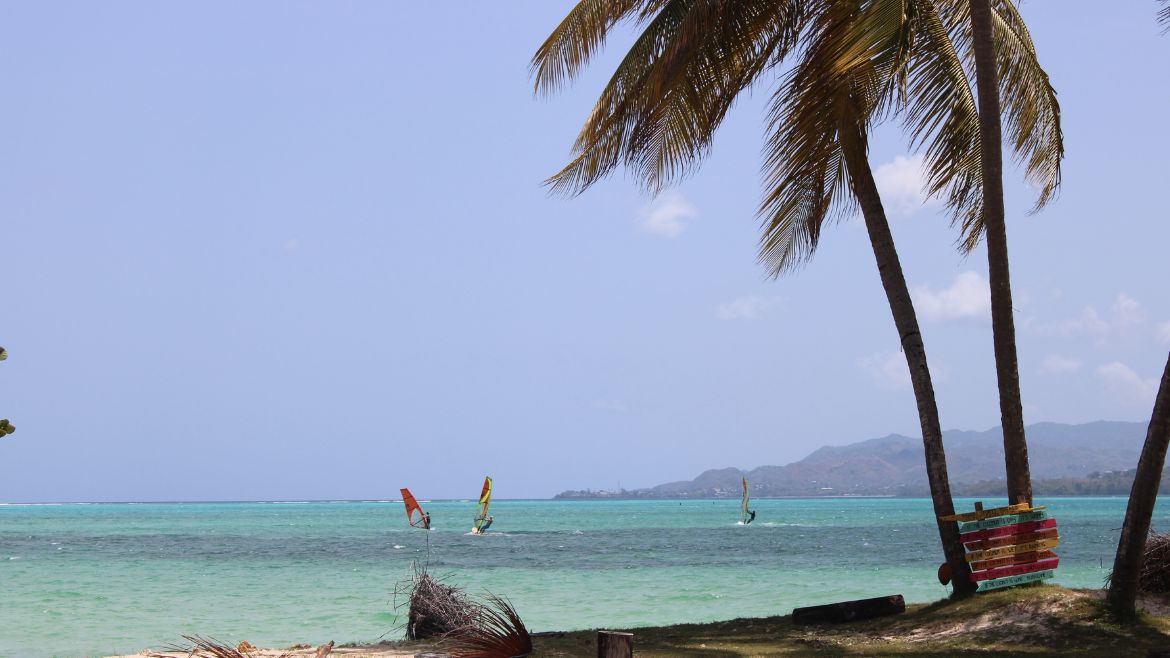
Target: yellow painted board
<point>1031,546</point>
<point>979,515</point>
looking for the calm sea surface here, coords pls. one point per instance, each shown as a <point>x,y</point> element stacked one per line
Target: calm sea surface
<point>98,579</point>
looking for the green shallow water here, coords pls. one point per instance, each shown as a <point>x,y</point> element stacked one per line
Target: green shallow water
<point>99,579</point>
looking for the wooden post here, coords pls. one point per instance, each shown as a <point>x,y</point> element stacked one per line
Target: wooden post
<point>615,645</point>
<point>979,506</point>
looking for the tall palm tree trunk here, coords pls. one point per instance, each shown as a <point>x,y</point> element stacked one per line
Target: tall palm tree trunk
<point>1003,324</point>
<point>906,321</point>
<point>1131,548</point>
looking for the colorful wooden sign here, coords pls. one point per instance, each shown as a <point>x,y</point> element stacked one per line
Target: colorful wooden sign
<point>1007,546</point>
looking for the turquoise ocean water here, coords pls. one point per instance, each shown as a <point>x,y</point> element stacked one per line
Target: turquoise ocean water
<point>99,579</point>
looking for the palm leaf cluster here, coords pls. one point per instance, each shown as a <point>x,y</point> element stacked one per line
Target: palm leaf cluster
<point>470,627</point>
<point>1154,577</point>
<point>857,62</point>
<point>1164,14</point>
<point>436,609</point>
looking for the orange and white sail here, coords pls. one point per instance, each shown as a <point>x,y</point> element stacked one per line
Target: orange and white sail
<point>412,507</point>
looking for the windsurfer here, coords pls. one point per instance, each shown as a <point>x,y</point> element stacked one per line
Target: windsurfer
<point>487,523</point>
<point>751,518</point>
<point>426,519</point>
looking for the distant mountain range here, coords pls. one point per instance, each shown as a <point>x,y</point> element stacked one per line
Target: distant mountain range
<point>1094,458</point>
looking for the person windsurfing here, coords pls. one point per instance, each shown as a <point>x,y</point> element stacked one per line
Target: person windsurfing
<point>746,515</point>
<point>482,520</point>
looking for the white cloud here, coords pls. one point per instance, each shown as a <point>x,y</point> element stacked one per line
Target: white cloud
<point>1126,385</point>
<point>902,184</point>
<point>888,369</point>
<point>746,308</point>
<point>1125,313</point>
<point>1054,364</point>
<point>1164,332</point>
<point>969,297</point>
<point>666,216</point>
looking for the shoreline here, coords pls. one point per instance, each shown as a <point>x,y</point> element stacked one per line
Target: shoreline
<point>1046,620</point>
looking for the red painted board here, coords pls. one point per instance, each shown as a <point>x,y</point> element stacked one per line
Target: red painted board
<point>1011,540</point>
<point>1015,529</point>
<point>1015,570</point>
<point>1009,560</point>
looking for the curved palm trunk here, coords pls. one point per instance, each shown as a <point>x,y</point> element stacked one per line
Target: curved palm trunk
<point>906,321</point>
<point>1003,324</point>
<point>1131,548</point>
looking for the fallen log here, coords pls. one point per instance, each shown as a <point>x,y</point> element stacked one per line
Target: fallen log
<point>850,610</point>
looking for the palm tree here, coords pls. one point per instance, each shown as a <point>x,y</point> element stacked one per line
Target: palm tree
<point>664,102</point>
<point>818,150</point>
<point>1131,547</point>
<point>1003,328</point>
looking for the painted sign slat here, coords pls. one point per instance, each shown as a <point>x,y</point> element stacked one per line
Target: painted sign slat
<point>980,514</point>
<point>1012,581</point>
<point>1030,547</point>
<point>1015,570</point>
<point>1013,529</point>
<point>1012,540</point>
<point>1008,560</point>
<point>1001,521</point>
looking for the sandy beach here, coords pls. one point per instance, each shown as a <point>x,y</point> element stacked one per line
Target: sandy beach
<point>388,650</point>
<point>1037,621</point>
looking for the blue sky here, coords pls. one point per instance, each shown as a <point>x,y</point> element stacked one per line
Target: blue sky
<point>291,251</point>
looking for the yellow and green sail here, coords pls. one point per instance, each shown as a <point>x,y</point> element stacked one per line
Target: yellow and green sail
<point>485,499</point>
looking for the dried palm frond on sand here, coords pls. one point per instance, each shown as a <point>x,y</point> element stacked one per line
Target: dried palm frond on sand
<point>202,647</point>
<point>498,632</point>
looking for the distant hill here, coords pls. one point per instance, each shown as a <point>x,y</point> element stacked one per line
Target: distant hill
<point>1093,458</point>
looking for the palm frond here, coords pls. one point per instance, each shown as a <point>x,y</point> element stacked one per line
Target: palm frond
<point>1030,107</point>
<point>578,37</point>
<point>660,109</point>
<point>942,116</point>
<point>804,168</point>
<point>925,49</point>
<point>1164,15</point>
<point>498,632</point>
